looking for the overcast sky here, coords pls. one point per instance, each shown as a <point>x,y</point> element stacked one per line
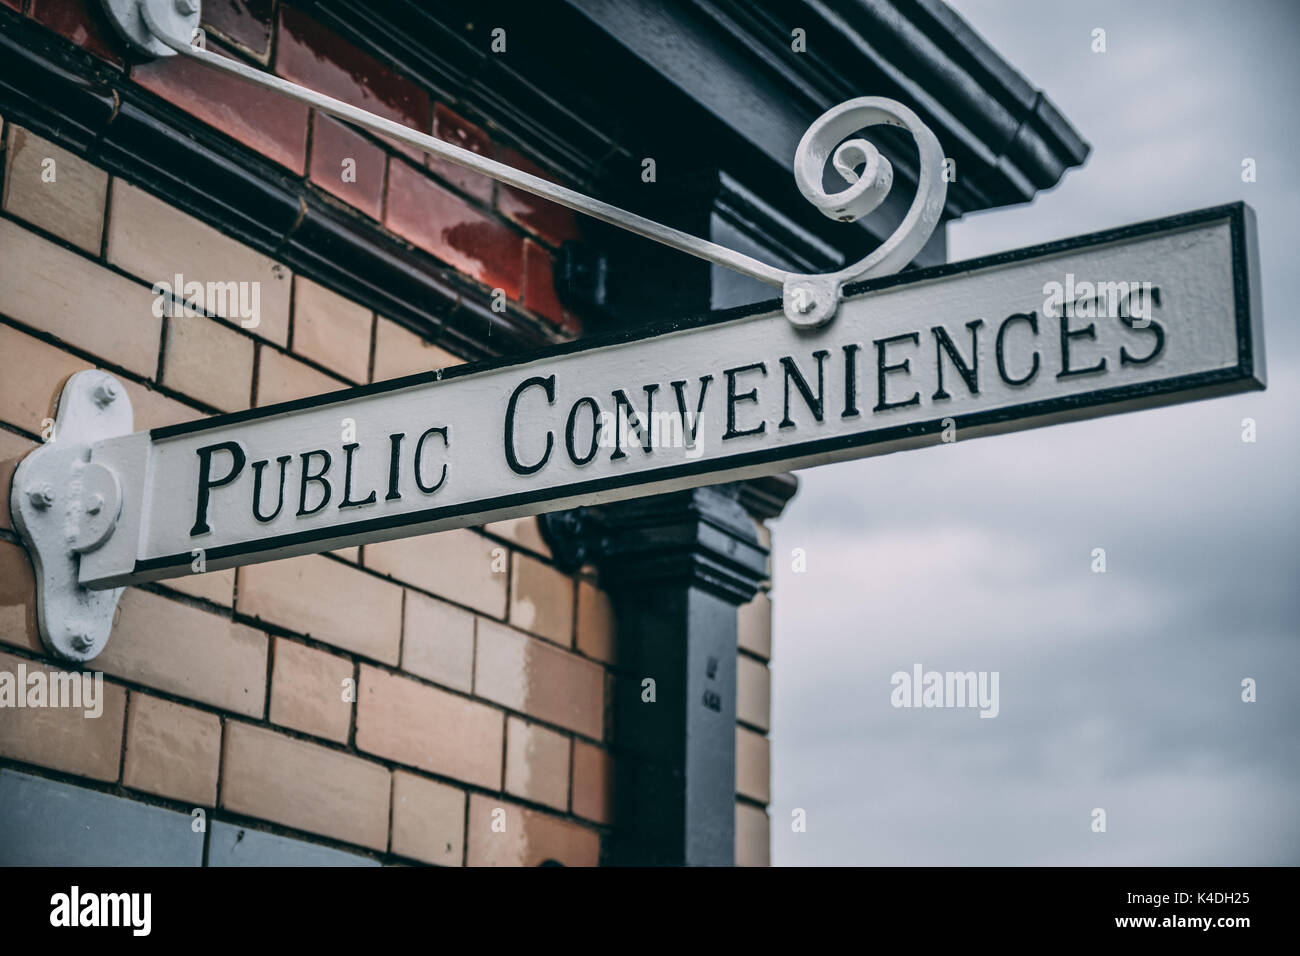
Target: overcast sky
<point>1119,690</point>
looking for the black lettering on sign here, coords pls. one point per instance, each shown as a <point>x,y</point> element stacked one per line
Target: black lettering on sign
<point>571,431</point>
<point>1154,328</point>
<point>547,385</point>
<point>733,399</point>
<point>969,373</point>
<point>441,432</point>
<point>282,461</point>
<point>206,482</point>
<point>1089,331</point>
<point>882,369</point>
<point>816,404</point>
<point>1030,319</point>
<point>319,478</point>
<point>347,501</point>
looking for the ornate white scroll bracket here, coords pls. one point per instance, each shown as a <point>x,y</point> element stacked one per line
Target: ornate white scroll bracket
<point>165,27</point>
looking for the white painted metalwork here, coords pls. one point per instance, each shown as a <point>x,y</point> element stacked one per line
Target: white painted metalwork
<point>165,27</point>
<point>65,506</point>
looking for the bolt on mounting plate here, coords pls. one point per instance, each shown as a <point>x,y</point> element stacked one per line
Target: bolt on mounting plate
<point>65,505</point>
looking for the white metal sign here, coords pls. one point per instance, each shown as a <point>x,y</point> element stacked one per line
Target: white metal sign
<point>1150,314</point>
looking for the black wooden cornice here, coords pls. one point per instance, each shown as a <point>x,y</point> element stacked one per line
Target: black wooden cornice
<point>68,97</point>
<point>593,86</point>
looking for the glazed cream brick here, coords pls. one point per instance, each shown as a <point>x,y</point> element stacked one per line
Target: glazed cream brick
<point>48,287</point>
<point>155,241</point>
<point>331,330</point>
<point>753,692</point>
<point>593,782</point>
<point>517,836</point>
<point>18,599</point>
<point>27,400</point>
<point>71,206</point>
<point>399,351</point>
<point>215,586</point>
<point>303,785</point>
<point>438,641</point>
<point>523,532</point>
<point>63,738</point>
<point>307,691</point>
<point>188,652</point>
<point>328,600</point>
<point>537,764</point>
<point>281,378</point>
<point>541,600</point>
<point>753,836</point>
<point>13,449</point>
<point>428,820</point>
<point>753,765</point>
<point>209,361</point>
<point>428,728</point>
<point>150,409</point>
<point>538,679</point>
<point>458,565</point>
<point>754,626</point>
<point>172,750</point>
<point>596,623</point>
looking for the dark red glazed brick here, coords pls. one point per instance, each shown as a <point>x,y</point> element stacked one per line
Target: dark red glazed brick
<point>460,132</point>
<point>551,221</point>
<point>331,143</point>
<point>539,283</point>
<point>264,120</point>
<point>318,58</point>
<point>244,23</point>
<point>446,226</point>
<point>82,22</point>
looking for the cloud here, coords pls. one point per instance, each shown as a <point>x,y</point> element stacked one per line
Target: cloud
<point>1119,690</point>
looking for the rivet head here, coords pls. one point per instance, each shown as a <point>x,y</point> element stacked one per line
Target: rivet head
<point>95,505</point>
<point>41,497</point>
<point>81,640</point>
<point>106,392</point>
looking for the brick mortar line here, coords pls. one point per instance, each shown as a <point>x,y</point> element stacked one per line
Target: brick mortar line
<point>273,629</point>
<point>349,749</point>
<point>224,321</point>
<point>265,723</point>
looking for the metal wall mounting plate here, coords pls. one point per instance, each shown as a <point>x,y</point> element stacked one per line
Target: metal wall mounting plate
<point>64,505</point>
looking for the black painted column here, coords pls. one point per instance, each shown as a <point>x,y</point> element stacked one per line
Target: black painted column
<point>677,566</point>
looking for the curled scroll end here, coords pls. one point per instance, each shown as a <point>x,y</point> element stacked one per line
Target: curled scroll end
<point>869,176</point>
<point>153,27</point>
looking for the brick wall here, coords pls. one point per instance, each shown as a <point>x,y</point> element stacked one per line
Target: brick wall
<point>385,703</point>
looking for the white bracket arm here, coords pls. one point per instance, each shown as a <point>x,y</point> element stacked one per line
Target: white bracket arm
<point>167,27</point>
